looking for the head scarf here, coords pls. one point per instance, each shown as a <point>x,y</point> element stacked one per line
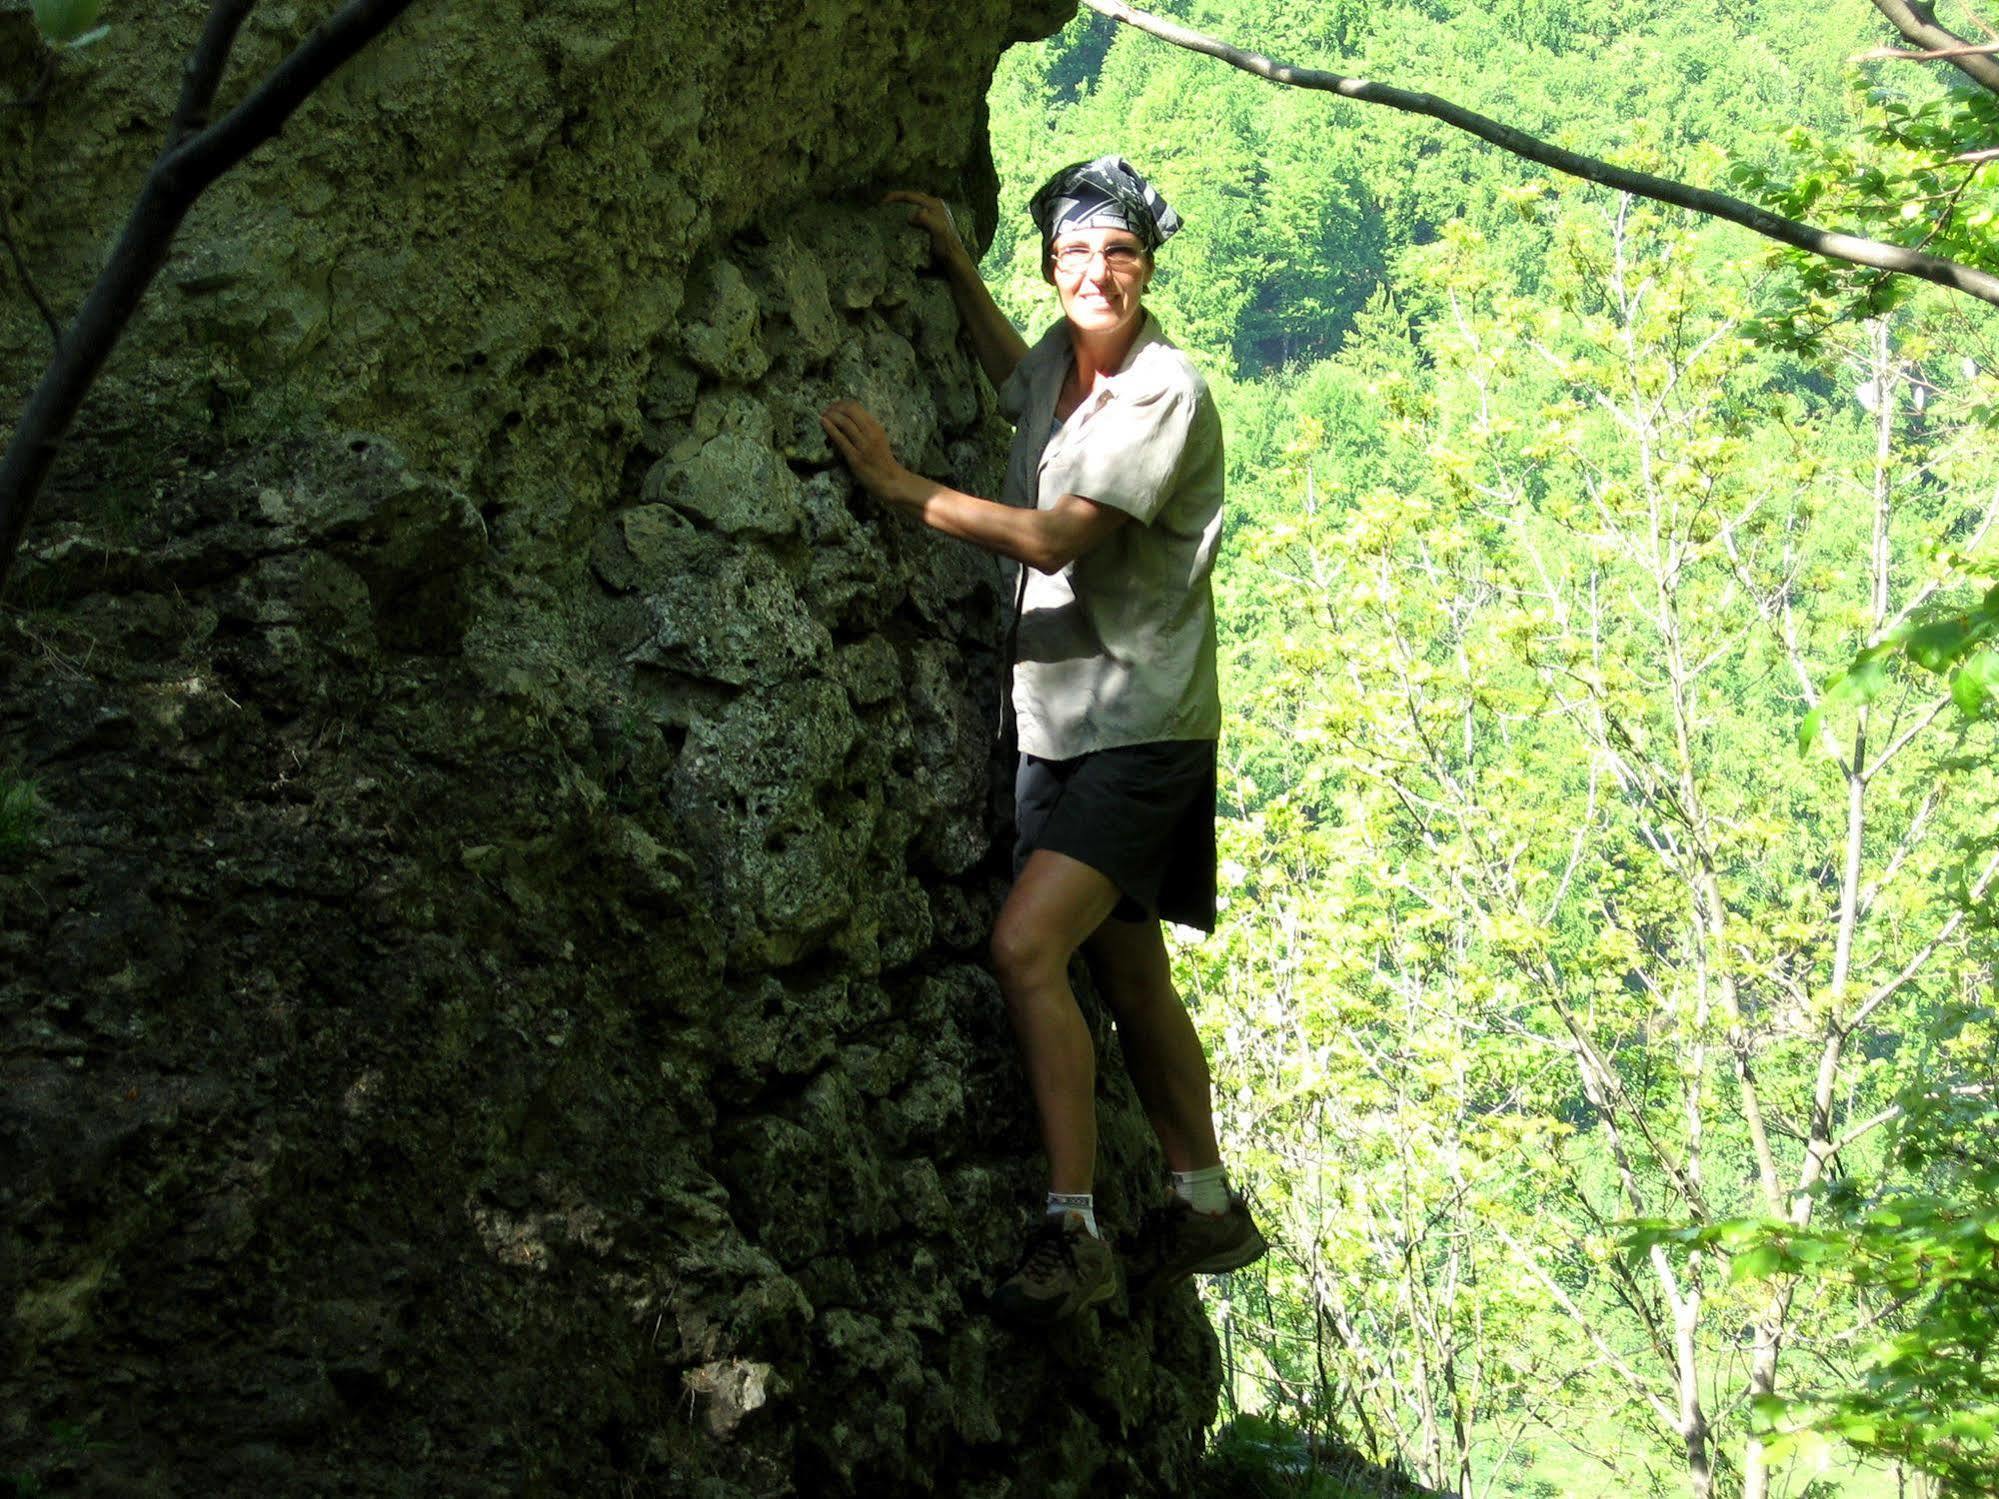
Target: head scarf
<point>1102,194</point>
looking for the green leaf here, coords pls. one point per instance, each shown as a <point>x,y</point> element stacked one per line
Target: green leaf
<point>1757,1263</point>
<point>67,22</point>
<point>1857,686</point>
<point>1808,727</point>
<point>1935,646</point>
<point>1974,684</point>
<point>1767,1412</point>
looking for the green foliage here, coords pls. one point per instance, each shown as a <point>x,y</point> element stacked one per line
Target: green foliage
<point>1517,660</point>
<point>1914,1248</point>
<point>1962,647</point>
<point>1900,177</point>
<point>20,814</point>
<point>1255,1457</point>
<point>1548,515</point>
<point>1916,173</point>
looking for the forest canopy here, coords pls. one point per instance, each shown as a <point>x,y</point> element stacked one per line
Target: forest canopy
<point>1604,995</point>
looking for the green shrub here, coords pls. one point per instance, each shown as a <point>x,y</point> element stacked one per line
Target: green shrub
<point>1258,1457</point>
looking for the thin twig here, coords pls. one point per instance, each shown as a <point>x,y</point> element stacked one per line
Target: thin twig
<point>194,155</point>
<point>1910,969</point>
<point>27,279</point>
<point>1896,54</point>
<point>1857,1132</point>
<point>1851,249</point>
<point>1917,22</point>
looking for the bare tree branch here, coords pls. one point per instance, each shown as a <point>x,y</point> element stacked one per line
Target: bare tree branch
<point>28,280</point>
<point>1897,54</point>
<point>1917,21</point>
<point>1901,741</point>
<point>1849,248</point>
<point>1857,1132</point>
<point>194,155</point>
<point>201,74</point>
<point>1889,989</point>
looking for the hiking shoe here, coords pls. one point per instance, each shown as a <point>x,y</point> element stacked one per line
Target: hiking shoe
<point>1063,1269</point>
<point>1174,1242</point>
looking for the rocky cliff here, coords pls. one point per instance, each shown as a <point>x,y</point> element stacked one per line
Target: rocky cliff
<point>496,836</point>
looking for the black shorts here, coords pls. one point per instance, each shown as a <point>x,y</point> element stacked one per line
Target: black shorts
<point>1143,815</point>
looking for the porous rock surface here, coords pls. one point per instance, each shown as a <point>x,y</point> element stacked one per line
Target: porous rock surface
<point>492,985</point>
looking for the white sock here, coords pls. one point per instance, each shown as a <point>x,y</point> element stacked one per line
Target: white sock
<point>1205,1191</point>
<point>1082,1204</point>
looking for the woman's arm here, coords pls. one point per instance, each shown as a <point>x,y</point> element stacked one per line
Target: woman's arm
<point>1045,540</point>
<point>997,343</point>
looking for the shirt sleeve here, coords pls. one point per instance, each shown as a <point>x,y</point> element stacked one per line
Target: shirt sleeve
<point>1013,392</point>
<point>1131,454</point>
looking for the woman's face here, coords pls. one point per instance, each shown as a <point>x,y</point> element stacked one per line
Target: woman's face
<point>1100,275</point>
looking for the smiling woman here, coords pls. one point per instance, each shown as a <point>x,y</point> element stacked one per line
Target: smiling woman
<point>1112,505</point>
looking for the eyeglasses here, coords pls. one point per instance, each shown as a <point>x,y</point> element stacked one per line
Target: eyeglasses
<point>1119,260</point>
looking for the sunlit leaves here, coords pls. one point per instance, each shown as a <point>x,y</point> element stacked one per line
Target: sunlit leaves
<point>1974,686</point>
<point>1904,178</point>
<point>1470,835</point>
<point>1925,1384</point>
<point>1958,647</point>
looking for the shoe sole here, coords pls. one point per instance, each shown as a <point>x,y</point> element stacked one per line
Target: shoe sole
<point>1232,1259</point>
<point>1028,1314</point>
<point>1246,1253</point>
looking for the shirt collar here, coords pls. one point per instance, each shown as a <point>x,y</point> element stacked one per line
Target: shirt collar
<point>1051,358</point>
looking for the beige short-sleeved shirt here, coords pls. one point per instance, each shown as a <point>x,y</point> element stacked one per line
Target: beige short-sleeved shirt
<point>1118,647</point>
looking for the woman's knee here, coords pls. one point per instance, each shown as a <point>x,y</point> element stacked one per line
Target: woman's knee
<point>1024,954</point>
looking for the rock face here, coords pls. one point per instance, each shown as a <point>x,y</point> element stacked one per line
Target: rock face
<point>497,838</point>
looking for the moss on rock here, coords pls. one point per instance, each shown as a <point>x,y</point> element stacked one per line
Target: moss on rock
<point>492,997</point>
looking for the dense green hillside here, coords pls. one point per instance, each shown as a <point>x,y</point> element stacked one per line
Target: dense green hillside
<point>1551,912</point>
<point>1306,205</point>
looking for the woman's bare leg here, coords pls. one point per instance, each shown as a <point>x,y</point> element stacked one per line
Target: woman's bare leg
<point>1161,1049</point>
<point>1055,903</point>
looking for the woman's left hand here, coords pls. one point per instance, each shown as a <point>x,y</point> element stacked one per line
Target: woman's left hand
<point>862,443</point>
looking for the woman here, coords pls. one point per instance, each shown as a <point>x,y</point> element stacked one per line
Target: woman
<point>1112,506</point>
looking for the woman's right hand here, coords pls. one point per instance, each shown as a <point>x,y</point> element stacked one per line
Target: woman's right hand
<point>930,214</point>
<point>999,347</point>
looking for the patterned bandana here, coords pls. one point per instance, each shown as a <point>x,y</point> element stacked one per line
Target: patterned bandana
<point>1102,194</point>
